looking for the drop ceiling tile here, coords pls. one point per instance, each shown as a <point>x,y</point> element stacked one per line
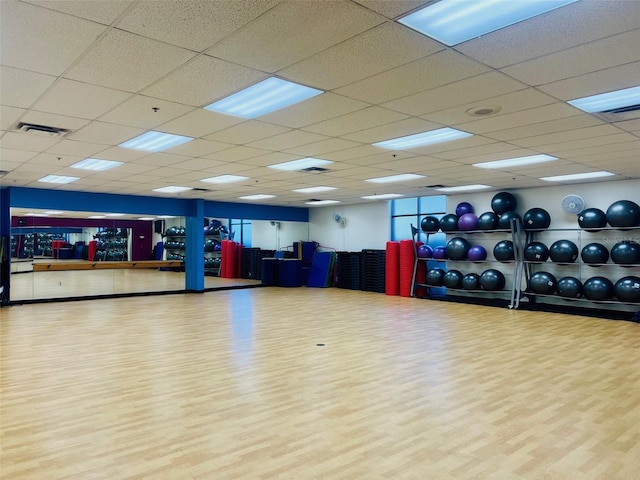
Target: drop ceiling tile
<point>247,132</point>
<point>122,154</point>
<point>401,128</point>
<point>551,126</point>
<point>74,147</point>
<point>198,148</point>
<point>101,12</point>
<point>352,122</point>
<point>508,103</point>
<point>287,140</point>
<point>379,157</point>
<point>570,135</point>
<point>352,153</point>
<point>53,120</point>
<point>20,88</point>
<point>15,156</point>
<point>203,80</point>
<point>391,9</point>
<point>9,117</point>
<point>163,160</point>
<point>27,141</point>
<point>629,125</point>
<point>75,99</point>
<point>269,159</point>
<point>192,24</point>
<point>237,153</point>
<point>556,149</point>
<point>322,147</point>
<point>198,123</point>
<point>124,171</point>
<point>483,153</point>
<point>582,150</point>
<point>129,62</point>
<point>51,162</point>
<point>566,27</point>
<point>384,47</point>
<point>598,55</point>
<point>321,107</point>
<point>438,148</point>
<point>518,119</point>
<point>29,30</point>
<point>105,133</point>
<point>199,164</point>
<point>430,72</point>
<point>469,91</point>
<point>623,76</point>
<point>291,32</point>
<point>138,111</point>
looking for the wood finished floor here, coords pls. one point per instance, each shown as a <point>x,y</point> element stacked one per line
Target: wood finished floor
<point>232,385</point>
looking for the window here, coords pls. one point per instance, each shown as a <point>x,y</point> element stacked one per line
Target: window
<point>410,211</point>
<point>240,231</point>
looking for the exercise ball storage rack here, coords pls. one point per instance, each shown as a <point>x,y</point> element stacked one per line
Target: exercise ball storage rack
<point>516,266</point>
<point>580,269</point>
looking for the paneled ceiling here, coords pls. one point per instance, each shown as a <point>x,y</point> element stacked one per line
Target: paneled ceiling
<point>101,68</point>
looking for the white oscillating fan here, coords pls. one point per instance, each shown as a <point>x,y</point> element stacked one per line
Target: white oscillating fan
<point>339,219</point>
<point>573,204</point>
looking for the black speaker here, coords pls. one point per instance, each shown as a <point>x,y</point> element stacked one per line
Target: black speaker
<point>158,226</point>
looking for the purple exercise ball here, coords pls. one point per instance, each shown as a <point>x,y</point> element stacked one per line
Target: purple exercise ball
<point>477,253</point>
<point>464,207</point>
<point>425,251</point>
<point>468,221</point>
<point>439,253</point>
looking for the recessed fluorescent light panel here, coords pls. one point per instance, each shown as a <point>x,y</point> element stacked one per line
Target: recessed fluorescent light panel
<point>35,215</point>
<point>96,164</point>
<point>301,164</point>
<point>608,101</point>
<point>260,196</point>
<point>58,179</point>
<point>171,189</point>
<point>384,196</point>
<point>463,188</point>
<point>53,212</point>
<point>265,97</point>
<point>455,21</point>
<point>426,138</point>
<point>97,216</point>
<point>314,189</point>
<point>153,141</point>
<point>395,178</point>
<point>516,162</point>
<point>577,176</point>
<point>115,214</point>
<point>322,202</point>
<point>166,216</point>
<point>146,218</point>
<point>224,179</point>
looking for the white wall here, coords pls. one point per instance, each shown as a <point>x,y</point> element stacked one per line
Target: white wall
<point>367,226</point>
<point>278,236</point>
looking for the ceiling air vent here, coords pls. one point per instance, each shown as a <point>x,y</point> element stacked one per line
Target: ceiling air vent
<point>631,112</point>
<point>314,170</point>
<point>3,173</point>
<point>434,186</point>
<point>201,190</point>
<point>42,129</point>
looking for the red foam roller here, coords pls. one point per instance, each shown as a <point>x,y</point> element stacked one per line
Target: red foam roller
<point>407,260</point>
<point>392,263</point>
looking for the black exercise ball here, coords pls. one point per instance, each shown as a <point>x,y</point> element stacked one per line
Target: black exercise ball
<point>598,288</point>
<point>592,219</point>
<point>430,224</point>
<point>506,217</point>
<point>543,282</point>
<point>471,281</point>
<point>594,253</point>
<point>449,223</point>
<point>453,279</point>
<point>536,252</point>
<point>457,248</point>
<point>492,280</point>
<point>503,202</point>
<point>569,287</point>
<point>488,221</point>
<point>536,219</point>
<point>563,251</point>
<point>627,289</point>
<point>626,252</point>
<point>623,213</point>
<point>435,277</point>
<point>503,251</point>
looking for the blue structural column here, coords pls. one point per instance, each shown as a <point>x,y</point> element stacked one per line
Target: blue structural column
<point>5,233</point>
<point>194,246</point>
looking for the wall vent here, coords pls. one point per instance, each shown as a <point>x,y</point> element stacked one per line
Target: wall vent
<point>314,169</point>
<point>630,112</point>
<point>42,129</point>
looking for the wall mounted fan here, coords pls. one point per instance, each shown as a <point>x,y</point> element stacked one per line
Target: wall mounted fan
<point>339,219</point>
<point>573,204</point>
